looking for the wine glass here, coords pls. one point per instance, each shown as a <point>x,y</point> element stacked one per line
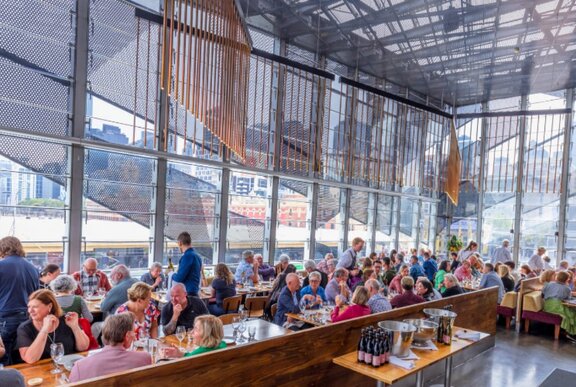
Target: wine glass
<point>251,333</point>
<point>241,330</point>
<point>180,335</point>
<point>235,324</point>
<point>101,292</point>
<point>190,338</point>
<point>56,352</point>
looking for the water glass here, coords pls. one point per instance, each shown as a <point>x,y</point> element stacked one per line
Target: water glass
<point>235,325</point>
<point>190,338</point>
<point>241,330</point>
<point>57,353</point>
<point>251,333</point>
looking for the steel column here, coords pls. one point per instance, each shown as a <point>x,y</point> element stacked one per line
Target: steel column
<point>519,185</point>
<point>221,212</point>
<point>159,211</point>
<point>345,195</point>
<point>564,194</point>
<point>481,185</point>
<point>79,102</point>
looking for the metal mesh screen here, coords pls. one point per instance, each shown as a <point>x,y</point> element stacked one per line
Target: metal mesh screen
<point>36,51</point>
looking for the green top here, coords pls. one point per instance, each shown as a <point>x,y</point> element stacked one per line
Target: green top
<point>439,279</point>
<point>200,350</point>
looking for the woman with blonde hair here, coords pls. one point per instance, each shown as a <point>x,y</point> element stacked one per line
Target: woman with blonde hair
<point>555,293</point>
<point>48,325</point>
<point>547,276</point>
<point>358,308</point>
<point>208,334</point>
<point>223,286</point>
<point>145,312</point>
<point>507,279</point>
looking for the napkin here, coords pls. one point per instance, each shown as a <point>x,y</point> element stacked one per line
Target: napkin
<point>411,356</point>
<point>468,336</point>
<point>408,365</point>
<point>427,346</point>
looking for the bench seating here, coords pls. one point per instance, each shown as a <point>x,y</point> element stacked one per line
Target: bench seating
<point>507,307</point>
<point>532,311</point>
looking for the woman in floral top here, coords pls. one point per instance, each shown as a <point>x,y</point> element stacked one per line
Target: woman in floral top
<point>145,313</point>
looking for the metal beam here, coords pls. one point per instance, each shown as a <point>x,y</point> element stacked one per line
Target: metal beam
<point>483,141</point>
<point>159,210</point>
<point>221,214</point>
<point>79,103</point>
<point>519,179</point>
<point>564,180</point>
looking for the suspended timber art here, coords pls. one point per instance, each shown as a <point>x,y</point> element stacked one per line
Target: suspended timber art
<point>207,56</point>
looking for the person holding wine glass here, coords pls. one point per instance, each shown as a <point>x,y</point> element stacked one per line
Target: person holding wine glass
<point>207,336</point>
<point>180,335</point>
<point>48,325</point>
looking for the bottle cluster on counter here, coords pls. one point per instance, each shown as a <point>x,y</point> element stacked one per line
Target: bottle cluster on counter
<point>375,346</point>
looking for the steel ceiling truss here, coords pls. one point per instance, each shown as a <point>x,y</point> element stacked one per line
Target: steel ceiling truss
<point>466,51</point>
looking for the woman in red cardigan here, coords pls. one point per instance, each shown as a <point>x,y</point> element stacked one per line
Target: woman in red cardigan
<point>358,308</point>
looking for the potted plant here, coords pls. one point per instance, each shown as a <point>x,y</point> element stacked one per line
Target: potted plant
<point>455,244</point>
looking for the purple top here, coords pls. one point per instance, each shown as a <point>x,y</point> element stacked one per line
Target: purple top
<point>266,271</point>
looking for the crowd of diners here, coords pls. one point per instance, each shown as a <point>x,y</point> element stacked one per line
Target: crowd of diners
<point>38,309</point>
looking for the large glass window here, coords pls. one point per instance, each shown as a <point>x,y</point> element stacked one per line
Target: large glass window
<point>329,222</point>
<point>192,194</point>
<point>385,226</point>
<point>293,230</point>
<point>33,199</point>
<point>118,192</point>
<point>247,209</point>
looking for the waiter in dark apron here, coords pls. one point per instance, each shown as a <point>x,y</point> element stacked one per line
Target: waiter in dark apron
<point>348,258</point>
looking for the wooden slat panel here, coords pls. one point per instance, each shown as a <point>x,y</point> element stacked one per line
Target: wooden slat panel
<point>302,358</point>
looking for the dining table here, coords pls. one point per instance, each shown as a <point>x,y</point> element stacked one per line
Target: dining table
<point>42,368</point>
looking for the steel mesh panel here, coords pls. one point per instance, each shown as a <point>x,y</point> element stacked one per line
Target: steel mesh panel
<point>384,217</point>
<point>36,62</point>
<point>38,156</point>
<point>296,187</point>
<point>261,41</point>
<point>123,67</point>
<point>359,206</point>
<point>328,203</point>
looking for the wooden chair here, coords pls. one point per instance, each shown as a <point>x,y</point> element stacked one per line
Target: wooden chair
<point>227,318</point>
<point>274,309</point>
<point>255,306</point>
<point>232,304</point>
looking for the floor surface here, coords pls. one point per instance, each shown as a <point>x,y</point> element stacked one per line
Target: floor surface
<point>518,359</point>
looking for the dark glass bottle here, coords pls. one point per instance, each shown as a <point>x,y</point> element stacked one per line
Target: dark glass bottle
<point>362,346</point>
<point>377,351</point>
<point>369,348</point>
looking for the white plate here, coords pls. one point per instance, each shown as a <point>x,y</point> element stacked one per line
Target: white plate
<point>142,342</point>
<point>93,298</point>
<point>72,358</point>
<point>228,341</point>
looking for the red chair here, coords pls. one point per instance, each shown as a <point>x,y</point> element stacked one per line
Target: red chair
<point>85,326</point>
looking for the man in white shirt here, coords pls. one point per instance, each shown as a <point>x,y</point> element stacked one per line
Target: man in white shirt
<point>536,262</point>
<point>502,254</point>
<point>348,259</point>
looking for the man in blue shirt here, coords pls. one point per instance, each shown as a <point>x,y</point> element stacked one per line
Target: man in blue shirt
<point>416,270</point>
<point>430,266</point>
<point>189,267</point>
<point>18,279</point>
<point>490,279</point>
<point>247,270</point>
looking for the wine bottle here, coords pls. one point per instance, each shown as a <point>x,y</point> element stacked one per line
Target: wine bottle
<point>390,344</point>
<point>377,351</point>
<point>369,349</point>
<point>170,265</point>
<point>440,332</point>
<point>447,331</point>
<point>384,348</point>
<point>362,346</point>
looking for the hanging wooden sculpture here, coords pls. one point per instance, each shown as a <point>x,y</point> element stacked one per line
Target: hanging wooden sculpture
<point>208,59</point>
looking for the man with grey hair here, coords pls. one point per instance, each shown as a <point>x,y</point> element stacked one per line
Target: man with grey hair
<point>337,286</point>
<point>264,270</point>
<point>247,270</point>
<point>154,277</point>
<point>90,279</point>
<point>182,310</point>
<point>501,254</point>
<point>310,266</point>
<point>117,335</point>
<point>377,302</point>
<point>121,279</point>
<point>289,300</point>
<point>282,265</point>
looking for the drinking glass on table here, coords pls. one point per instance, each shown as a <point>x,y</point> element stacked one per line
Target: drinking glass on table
<point>235,324</point>
<point>190,338</point>
<point>57,353</point>
<point>241,330</point>
<point>251,333</point>
<point>101,292</point>
<point>180,335</point>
